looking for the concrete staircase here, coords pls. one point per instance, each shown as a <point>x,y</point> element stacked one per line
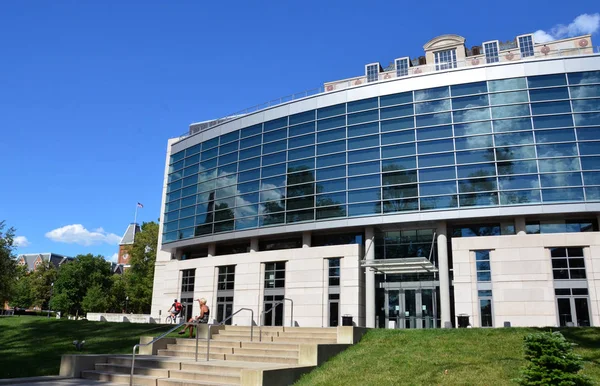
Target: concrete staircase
<point>279,357</point>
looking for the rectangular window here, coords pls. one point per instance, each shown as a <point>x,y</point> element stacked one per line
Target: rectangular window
<point>275,274</point>
<point>226,277</point>
<point>188,277</point>
<point>526,46</point>
<point>568,263</point>
<point>334,272</point>
<point>491,52</point>
<point>482,261</point>
<point>401,67</point>
<point>372,72</point>
<point>445,59</point>
<point>485,309</point>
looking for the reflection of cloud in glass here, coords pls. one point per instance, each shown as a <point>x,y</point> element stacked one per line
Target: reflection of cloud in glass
<point>245,211</point>
<point>559,165</point>
<point>585,91</point>
<point>474,142</point>
<point>430,107</point>
<point>510,111</point>
<point>509,97</point>
<point>471,115</point>
<point>586,105</point>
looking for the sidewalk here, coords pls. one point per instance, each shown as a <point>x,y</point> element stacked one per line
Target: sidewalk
<point>54,381</point>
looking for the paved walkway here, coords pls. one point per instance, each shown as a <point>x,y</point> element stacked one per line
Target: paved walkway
<point>59,382</point>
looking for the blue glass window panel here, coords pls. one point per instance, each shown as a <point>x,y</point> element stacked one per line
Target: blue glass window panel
<point>397,111</point>
<point>303,152</point>
<point>210,153</point>
<point>248,187</point>
<point>515,152</point>
<point>437,188</point>
<point>429,203</point>
<point>305,164</point>
<point>363,155</point>
<point>478,199</point>
<point>398,137</point>
<point>548,94</point>
<point>592,194</point>
<point>507,84</point>
<point>519,138</point>
<point>563,135</point>
<point>170,217</point>
<point>189,211</point>
<point>398,150</point>
<point>363,195</point>
<point>358,143</point>
<point>432,133</point>
<point>550,121</point>
<point>550,108</point>
<point>272,195</point>
<point>175,166</point>
<point>246,223</point>
<point>437,174</point>
<point>249,175</point>
<point>227,169</point>
<point>558,165</point>
<point>190,180</point>
<point>273,170</point>
<point>396,99</point>
<point>331,123</point>
<point>250,141</point>
<point>251,130</point>
<point>517,167</point>
<point>171,226</point>
<point>506,98</point>
<point>301,141</point>
<point>331,186</point>
<point>273,182</point>
<point>250,153</point>
<point>364,104</point>
<point>273,158</point>
<point>207,175</point>
<point>208,185</point>
<point>226,138</point>
<point>175,176</point>
<point>190,200</point>
<point>480,141</point>
<point>172,205</point>
<point>586,105</point>
<point>519,182</point>
<point>334,172</point>
<point>477,185</point>
<point>546,80</point>
<point>557,150</point>
<point>432,93</point>
<point>398,124</point>
<point>561,195</point>
<point>304,128</point>
<point>271,219</point>
<point>402,177</point>
<point>365,116</point>
<point>588,134</point>
<point>471,115</point>
<point>275,124</point>
<point>510,111</point>
<point>436,160</point>
<point>331,135</point>
<point>226,181</point>
<point>589,148</point>
<point>364,181</point>
<point>302,117</point>
<point>331,111</point>
<point>584,77</point>
<point>331,199</point>
<point>468,88</point>
<point>588,119</point>
<point>246,199</point>
<point>210,164</point>
<point>402,191</point>
<point>433,119</point>
<point>174,195</point>
<point>432,107</point>
<point>331,212</point>
<point>192,150</point>
<point>274,146</point>
<point>470,102</point>
<point>518,124</point>
<point>331,147</point>
<point>590,163</point>
<point>189,190</point>
<point>275,135</point>
<point>364,209</point>
<point>202,198</point>
<point>210,143</point>
<point>330,160</point>
<point>591,178</point>
<point>560,180</point>
<point>585,92</point>
<point>467,157</point>
<point>364,168</point>
<point>229,158</point>
<point>478,170</point>
<point>472,128</point>
<point>392,164</point>
<point>301,177</point>
<point>368,128</point>
<point>224,226</point>
<point>177,156</point>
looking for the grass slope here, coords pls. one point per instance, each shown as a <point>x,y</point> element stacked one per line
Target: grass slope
<point>443,357</point>
<point>32,346</point>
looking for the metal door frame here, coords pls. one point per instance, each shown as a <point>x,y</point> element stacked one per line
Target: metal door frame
<point>573,308</point>
<point>418,320</point>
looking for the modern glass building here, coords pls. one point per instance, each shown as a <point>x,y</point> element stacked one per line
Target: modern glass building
<point>461,187</point>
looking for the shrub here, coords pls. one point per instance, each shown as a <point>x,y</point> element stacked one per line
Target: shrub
<point>551,362</point>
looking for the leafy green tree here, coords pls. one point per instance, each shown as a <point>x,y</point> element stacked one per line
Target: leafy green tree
<point>41,284</point>
<point>95,299</point>
<point>8,265</point>
<point>22,296</point>
<point>118,293</point>
<point>140,276</point>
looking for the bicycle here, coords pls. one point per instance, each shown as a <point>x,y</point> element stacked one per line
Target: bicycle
<point>170,319</point>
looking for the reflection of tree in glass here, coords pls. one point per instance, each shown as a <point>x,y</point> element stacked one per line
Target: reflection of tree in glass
<point>206,227</point>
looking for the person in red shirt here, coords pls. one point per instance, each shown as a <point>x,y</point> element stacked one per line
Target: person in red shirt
<point>176,307</point>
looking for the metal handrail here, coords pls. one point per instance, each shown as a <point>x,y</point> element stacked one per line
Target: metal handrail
<point>269,310</point>
<point>220,324</point>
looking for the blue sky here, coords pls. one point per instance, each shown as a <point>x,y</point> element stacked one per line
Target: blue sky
<point>91,91</point>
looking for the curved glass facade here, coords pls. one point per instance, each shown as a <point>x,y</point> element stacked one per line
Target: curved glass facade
<point>528,140</point>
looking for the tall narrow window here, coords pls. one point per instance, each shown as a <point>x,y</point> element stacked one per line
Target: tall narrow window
<point>334,291</point>
<point>526,46</point>
<point>401,67</point>
<point>225,289</point>
<point>373,72</point>
<point>188,278</point>
<point>445,59</point>
<point>485,308</point>
<point>482,260</point>
<point>491,52</point>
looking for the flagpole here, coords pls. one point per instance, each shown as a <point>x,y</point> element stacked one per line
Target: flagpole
<point>135,216</point>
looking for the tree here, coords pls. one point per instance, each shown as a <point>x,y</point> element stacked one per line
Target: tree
<point>8,265</point>
<point>41,284</point>
<point>95,299</point>
<point>140,276</point>
<point>118,293</point>
<point>22,296</point>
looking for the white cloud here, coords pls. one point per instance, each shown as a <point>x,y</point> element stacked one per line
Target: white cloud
<point>114,258</point>
<point>77,234</point>
<point>21,241</point>
<point>582,25</point>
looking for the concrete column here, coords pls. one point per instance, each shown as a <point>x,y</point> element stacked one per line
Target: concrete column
<point>520,226</point>
<point>370,278</point>
<point>306,239</point>
<point>212,247</point>
<point>254,244</point>
<point>442,250</point>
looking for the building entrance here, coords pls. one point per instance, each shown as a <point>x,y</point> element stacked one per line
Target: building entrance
<point>411,307</point>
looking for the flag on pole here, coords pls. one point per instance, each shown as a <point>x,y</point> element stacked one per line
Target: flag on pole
<point>140,205</point>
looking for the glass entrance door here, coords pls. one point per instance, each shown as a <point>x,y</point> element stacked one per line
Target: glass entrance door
<point>573,311</point>
<point>410,308</point>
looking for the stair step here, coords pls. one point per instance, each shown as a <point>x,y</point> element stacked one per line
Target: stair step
<point>307,335</point>
<point>305,340</point>
<point>142,380</point>
<point>213,368</point>
<point>247,328</point>
<point>168,364</point>
<point>261,358</point>
<point>191,354</point>
<point>247,333</point>
<point>190,382</point>
<point>124,369</point>
<point>264,350</point>
<point>205,376</point>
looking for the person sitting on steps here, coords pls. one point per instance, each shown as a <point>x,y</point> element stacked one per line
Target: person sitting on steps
<point>202,318</point>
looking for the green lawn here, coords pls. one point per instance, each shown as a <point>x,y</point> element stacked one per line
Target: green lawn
<point>32,346</point>
<point>443,357</point>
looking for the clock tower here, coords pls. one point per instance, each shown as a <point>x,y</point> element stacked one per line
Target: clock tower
<point>126,243</point>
